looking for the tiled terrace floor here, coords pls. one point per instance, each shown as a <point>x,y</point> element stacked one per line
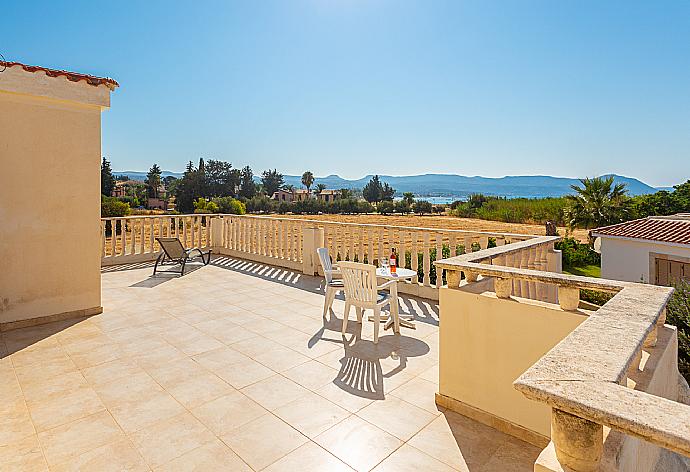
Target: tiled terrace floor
<point>231,367</point>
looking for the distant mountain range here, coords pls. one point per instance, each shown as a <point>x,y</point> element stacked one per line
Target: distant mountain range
<point>451,185</point>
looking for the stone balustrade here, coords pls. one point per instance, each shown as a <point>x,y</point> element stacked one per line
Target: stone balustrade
<point>586,378</point>
<point>291,243</point>
<point>131,239</point>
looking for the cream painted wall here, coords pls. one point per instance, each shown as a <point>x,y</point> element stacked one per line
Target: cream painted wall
<point>486,343</point>
<point>628,260</point>
<point>50,152</point>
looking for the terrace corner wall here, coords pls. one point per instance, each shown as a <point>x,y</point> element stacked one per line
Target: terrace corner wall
<point>485,344</point>
<point>50,150</point>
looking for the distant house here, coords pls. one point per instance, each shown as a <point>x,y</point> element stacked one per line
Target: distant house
<point>653,250</point>
<point>301,194</point>
<point>124,188</point>
<point>157,204</point>
<point>283,195</point>
<point>328,195</point>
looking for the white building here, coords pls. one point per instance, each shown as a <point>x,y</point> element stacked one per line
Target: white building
<point>652,250</point>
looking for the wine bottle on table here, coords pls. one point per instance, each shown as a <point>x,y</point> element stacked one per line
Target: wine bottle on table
<point>393,261</point>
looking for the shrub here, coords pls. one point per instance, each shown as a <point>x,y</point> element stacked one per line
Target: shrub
<point>678,315</point>
<point>284,207</point>
<point>260,204</point>
<point>422,206</point>
<point>310,207</point>
<point>112,207</point>
<point>402,206</point>
<point>577,254</point>
<point>385,207</point>
<point>230,206</point>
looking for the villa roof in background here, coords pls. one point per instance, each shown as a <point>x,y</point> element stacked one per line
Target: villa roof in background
<point>668,229</point>
<point>71,76</point>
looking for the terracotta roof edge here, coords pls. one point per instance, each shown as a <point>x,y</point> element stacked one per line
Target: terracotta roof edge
<point>71,76</point>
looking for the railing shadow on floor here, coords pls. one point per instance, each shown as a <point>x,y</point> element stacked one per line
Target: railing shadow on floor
<point>427,311</point>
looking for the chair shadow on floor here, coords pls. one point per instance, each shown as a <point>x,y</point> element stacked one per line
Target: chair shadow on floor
<point>361,373</point>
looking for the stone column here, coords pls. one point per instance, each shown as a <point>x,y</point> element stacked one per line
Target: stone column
<point>579,443</point>
<point>313,238</point>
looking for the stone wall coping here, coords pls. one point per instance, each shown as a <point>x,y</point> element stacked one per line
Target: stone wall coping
<point>585,373</point>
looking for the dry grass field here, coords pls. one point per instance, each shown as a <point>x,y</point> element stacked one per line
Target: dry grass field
<point>448,222</point>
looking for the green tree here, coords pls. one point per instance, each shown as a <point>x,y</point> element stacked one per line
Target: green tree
<point>422,207</point>
<point>307,180</point>
<point>153,181</point>
<point>598,202</point>
<point>387,192</point>
<point>247,186</point>
<point>373,190</point>
<point>107,178</point>
<point>187,190</point>
<point>346,193</point>
<point>408,197</point>
<point>221,179</point>
<point>401,206</point>
<point>272,181</point>
<point>319,188</point>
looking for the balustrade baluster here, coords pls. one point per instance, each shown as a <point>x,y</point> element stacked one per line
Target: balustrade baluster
<point>133,234</point>
<point>142,235</point>
<point>113,236</point>
<point>370,245</point>
<point>123,237</point>
<point>426,259</point>
<point>414,257</point>
<point>439,256</point>
<point>452,245</point>
<point>467,243</point>
<point>360,249</point>
<point>382,248</point>
<point>299,242</point>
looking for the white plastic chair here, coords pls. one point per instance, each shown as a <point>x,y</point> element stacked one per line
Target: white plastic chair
<point>333,285</point>
<point>362,292</point>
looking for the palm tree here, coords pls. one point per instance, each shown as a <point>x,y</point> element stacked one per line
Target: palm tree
<point>408,197</point>
<point>598,202</point>
<point>308,179</point>
<point>319,188</point>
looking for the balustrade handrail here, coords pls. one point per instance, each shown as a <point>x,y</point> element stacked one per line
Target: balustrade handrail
<point>322,222</point>
<point>605,345</point>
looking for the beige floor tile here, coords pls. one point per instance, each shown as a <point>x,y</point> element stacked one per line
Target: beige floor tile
<point>244,374</point>
<point>24,455</point>
<point>127,389</point>
<point>139,413</point>
<point>410,459</point>
<point>98,353</point>
<point>73,439</point>
<point>169,439</point>
<point>437,439</point>
<point>357,443</point>
<point>199,388</point>
<point>312,375</point>
<point>110,371</point>
<point>255,346</point>
<point>38,355</point>
<point>419,392</point>
<point>197,345</point>
<point>281,359</point>
<point>512,455</point>
<point>309,457</point>
<point>263,441</point>
<point>344,398</point>
<point>274,392</point>
<point>159,356</point>
<point>119,456</point>
<point>214,456</point>
<point>228,412</point>
<point>311,414</point>
<point>64,408</point>
<point>36,388</point>
<point>55,368</point>
<point>217,358</point>
<point>403,420</point>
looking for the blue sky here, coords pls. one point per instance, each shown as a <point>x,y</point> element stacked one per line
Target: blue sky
<point>394,87</point>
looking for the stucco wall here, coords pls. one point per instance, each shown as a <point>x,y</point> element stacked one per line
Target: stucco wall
<point>49,197</point>
<point>629,260</point>
<point>486,343</point>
